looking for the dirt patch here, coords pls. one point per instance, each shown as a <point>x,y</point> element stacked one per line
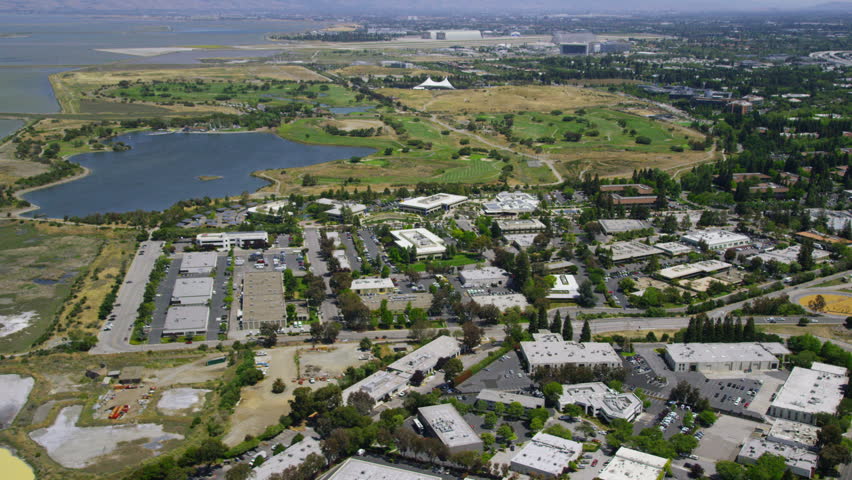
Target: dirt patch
<point>189,373</point>
<point>135,397</point>
<point>15,391</point>
<point>76,447</point>
<point>356,124</point>
<point>180,400</point>
<point>43,411</point>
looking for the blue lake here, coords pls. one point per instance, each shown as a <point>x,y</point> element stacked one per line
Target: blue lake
<point>8,126</point>
<point>160,170</point>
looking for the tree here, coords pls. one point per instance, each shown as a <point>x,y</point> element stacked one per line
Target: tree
<point>817,304</point>
<point>586,296</point>
<point>586,333</point>
<point>830,434</point>
<point>567,329</point>
<point>452,368</point>
<point>833,455</point>
<point>515,410</point>
<point>240,471</point>
<point>626,285</point>
<point>728,470</point>
<point>552,391</point>
<point>472,335</point>
<point>487,439</point>
<point>417,378</point>
<point>573,410</point>
<point>365,344</point>
<point>806,255</point>
<point>696,470</point>
<point>278,386</point>
<point>489,420</point>
<point>707,418</point>
<point>556,324</point>
<point>362,401</point>
<point>683,444</point>
<point>505,433</point>
<point>268,334</point>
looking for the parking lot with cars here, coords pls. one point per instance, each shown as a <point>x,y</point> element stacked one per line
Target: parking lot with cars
<point>506,373</point>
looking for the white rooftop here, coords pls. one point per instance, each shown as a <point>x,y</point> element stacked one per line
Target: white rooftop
<point>502,302</point>
<point>482,274</point>
<point>293,456</point>
<point>186,318</point>
<point>550,349</point>
<point>789,255</point>
<point>795,433</point>
<point>423,241</point>
<point>548,453</point>
<point>511,203</point>
<point>193,290</point>
<point>674,248</point>
<point>198,262</point>
<point>342,259</point>
<point>725,352</point>
<point>601,397</point>
<point>358,469</point>
<point>450,427</point>
<point>271,208</point>
<point>566,287</point>
<point>707,266</point>
<point>623,225</point>
<point>433,201</point>
<point>497,396</point>
<point>628,250</point>
<point>629,464</point>
<point>714,237</point>
<point>522,240</point>
<point>379,384</point>
<point>370,283</point>
<point>425,357</point>
<point>794,456</point>
<point>818,389</point>
<point>520,224</point>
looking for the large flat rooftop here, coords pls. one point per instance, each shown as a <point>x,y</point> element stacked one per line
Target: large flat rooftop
<point>293,456</point>
<point>630,250</point>
<point>818,389</point>
<point>423,241</point>
<point>687,269</point>
<point>425,357</point>
<point>623,225</point>
<point>445,200</point>
<point>190,318</point>
<point>547,453</point>
<point>358,469</point>
<point>449,426</point>
<point>502,302</point>
<point>551,349</point>
<point>725,352</point>
<point>797,457</point>
<point>198,262</point>
<point>497,396</point>
<point>629,464</point>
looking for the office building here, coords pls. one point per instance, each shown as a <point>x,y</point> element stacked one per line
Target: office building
<point>800,461</point>
<point>674,249</point>
<point>502,302</point>
<point>226,240</point>
<point>426,357</point>
<point>546,456</point>
<point>372,285</point>
<point>337,208</point>
<point>631,251</point>
<point>444,422</point>
<point>277,209</point>
<point>380,386</point>
<point>192,291</point>
<point>293,456</point>
<point>621,225</point>
<point>691,270</point>
<point>200,263</point>
<point>440,202</point>
<point>565,288</point>
<point>808,392</point>
<point>550,350</point>
<point>796,434</point>
<point>511,204</point>
<point>629,464</point>
<point>484,277</point>
<point>263,300</point>
<point>791,254</point>
<point>601,401</point>
<point>358,469</point>
<point>715,240</point>
<point>426,244</point>
<point>640,188</point>
<point>725,357</point>
<point>508,227</point>
<point>189,320</point>
<point>493,397</point>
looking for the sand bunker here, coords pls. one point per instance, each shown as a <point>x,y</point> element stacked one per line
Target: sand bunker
<point>14,391</point>
<point>145,52</point>
<point>10,324</point>
<point>78,447</point>
<point>180,399</point>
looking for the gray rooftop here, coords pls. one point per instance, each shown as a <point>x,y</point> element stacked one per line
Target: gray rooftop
<point>548,453</point>
<point>497,396</point>
<point>193,290</point>
<point>551,349</point>
<point>186,319</point>
<point>725,352</point>
<point>198,262</point>
<point>812,390</point>
<point>449,426</point>
<point>293,456</point>
<point>358,469</point>
<point>623,225</point>
<point>798,457</point>
<point>426,357</point>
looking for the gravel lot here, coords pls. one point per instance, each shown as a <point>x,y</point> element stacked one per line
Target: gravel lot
<point>16,389</point>
<point>180,399</point>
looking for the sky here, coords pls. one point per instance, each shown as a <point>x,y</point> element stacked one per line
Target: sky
<point>410,6</point>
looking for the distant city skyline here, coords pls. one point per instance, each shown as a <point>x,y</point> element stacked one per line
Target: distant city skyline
<point>349,7</point>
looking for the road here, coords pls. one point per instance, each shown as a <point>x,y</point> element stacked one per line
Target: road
<point>128,300</point>
<point>328,309</point>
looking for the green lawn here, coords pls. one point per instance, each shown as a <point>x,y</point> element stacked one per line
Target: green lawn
<point>457,261</point>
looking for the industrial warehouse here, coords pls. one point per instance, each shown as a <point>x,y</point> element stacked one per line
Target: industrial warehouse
<point>725,357</point>
<point>550,350</point>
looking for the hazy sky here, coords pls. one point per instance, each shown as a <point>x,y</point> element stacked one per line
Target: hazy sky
<point>403,6</point>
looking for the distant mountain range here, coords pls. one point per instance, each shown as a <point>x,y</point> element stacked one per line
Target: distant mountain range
<point>347,7</point>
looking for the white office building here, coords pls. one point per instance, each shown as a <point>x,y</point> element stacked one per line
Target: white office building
<point>601,401</point>
<point>550,350</point>
<point>380,386</point>
<point>484,277</point>
<point>293,456</point>
<point>372,285</point>
<point>440,202</point>
<point>565,288</point>
<point>800,461</point>
<point>199,263</point>
<point>716,239</point>
<point>629,464</point>
<point>426,357</point>
<point>192,291</point>
<point>510,204</point>
<point>426,244</point>
<point>445,422</point>
<point>725,357</point>
<point>226,240</point>
<point>188,320</point>
<point>808,392</point>
<point>493,397</point>
<point>338,207</point>
<point>546,456</point>
<point>520,225</point>
<point>358,469</point>
<point>620,225</point>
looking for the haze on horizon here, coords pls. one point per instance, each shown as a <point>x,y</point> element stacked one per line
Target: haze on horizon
<point>349,7</point>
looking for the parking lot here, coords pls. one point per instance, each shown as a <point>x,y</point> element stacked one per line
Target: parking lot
<point>505,373</point>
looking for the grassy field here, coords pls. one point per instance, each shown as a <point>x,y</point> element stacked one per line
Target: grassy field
<point>502,99</point>
<point>839,304</point>
<point>39,263</point>
<point>456,261</point>
<point>366,70</point>
<point>73,87</point>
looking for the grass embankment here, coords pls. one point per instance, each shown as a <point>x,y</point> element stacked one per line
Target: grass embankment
<point>43,264</point>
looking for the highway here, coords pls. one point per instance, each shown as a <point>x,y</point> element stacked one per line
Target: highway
<point>128,300</point>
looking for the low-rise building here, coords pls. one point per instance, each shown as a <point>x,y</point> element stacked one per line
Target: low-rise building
<point>546,456</point>
<point>640,188</point>
<point>808,392</point>
<point>790,255</point>
<point>725,357</point>
<point>484,277</point>
<point>631,251</point>
<point>444,422</point>
<point>426,244</point>
<point>520,226</point>
<point>358,469</point>
<point>511,203</point>
<point>342,260</point>
<point>276,209</point>
<point>192,291</point>
<point>426,357</point>
<point>372,285</point>
<point>674,249</point>
<point>198,263</point>
<point>796,434</point>
<point>493,397</point>
<point>560,266</point>
<point>688,270</point>
<point>629,464</point>
<point>503,302</point>
<point>836,220</point>
<point>338,208</point>
<point>715,240</point>
<point>293,456</point>
<point>601,401</point>
<point>565,288</point>
<point>618,199</point>
<point>825,240</point>
<point>187,320</point>
<point>621,225</point>
<point>521,241</point>
<point>226,240</point>
<point>550,350</point>
<point>800,461</point>
<point>380,386</point>
<point>440,202</point>
<point>263,300</point>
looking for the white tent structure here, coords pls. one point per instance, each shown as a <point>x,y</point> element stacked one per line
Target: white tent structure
<point>430,84</point>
